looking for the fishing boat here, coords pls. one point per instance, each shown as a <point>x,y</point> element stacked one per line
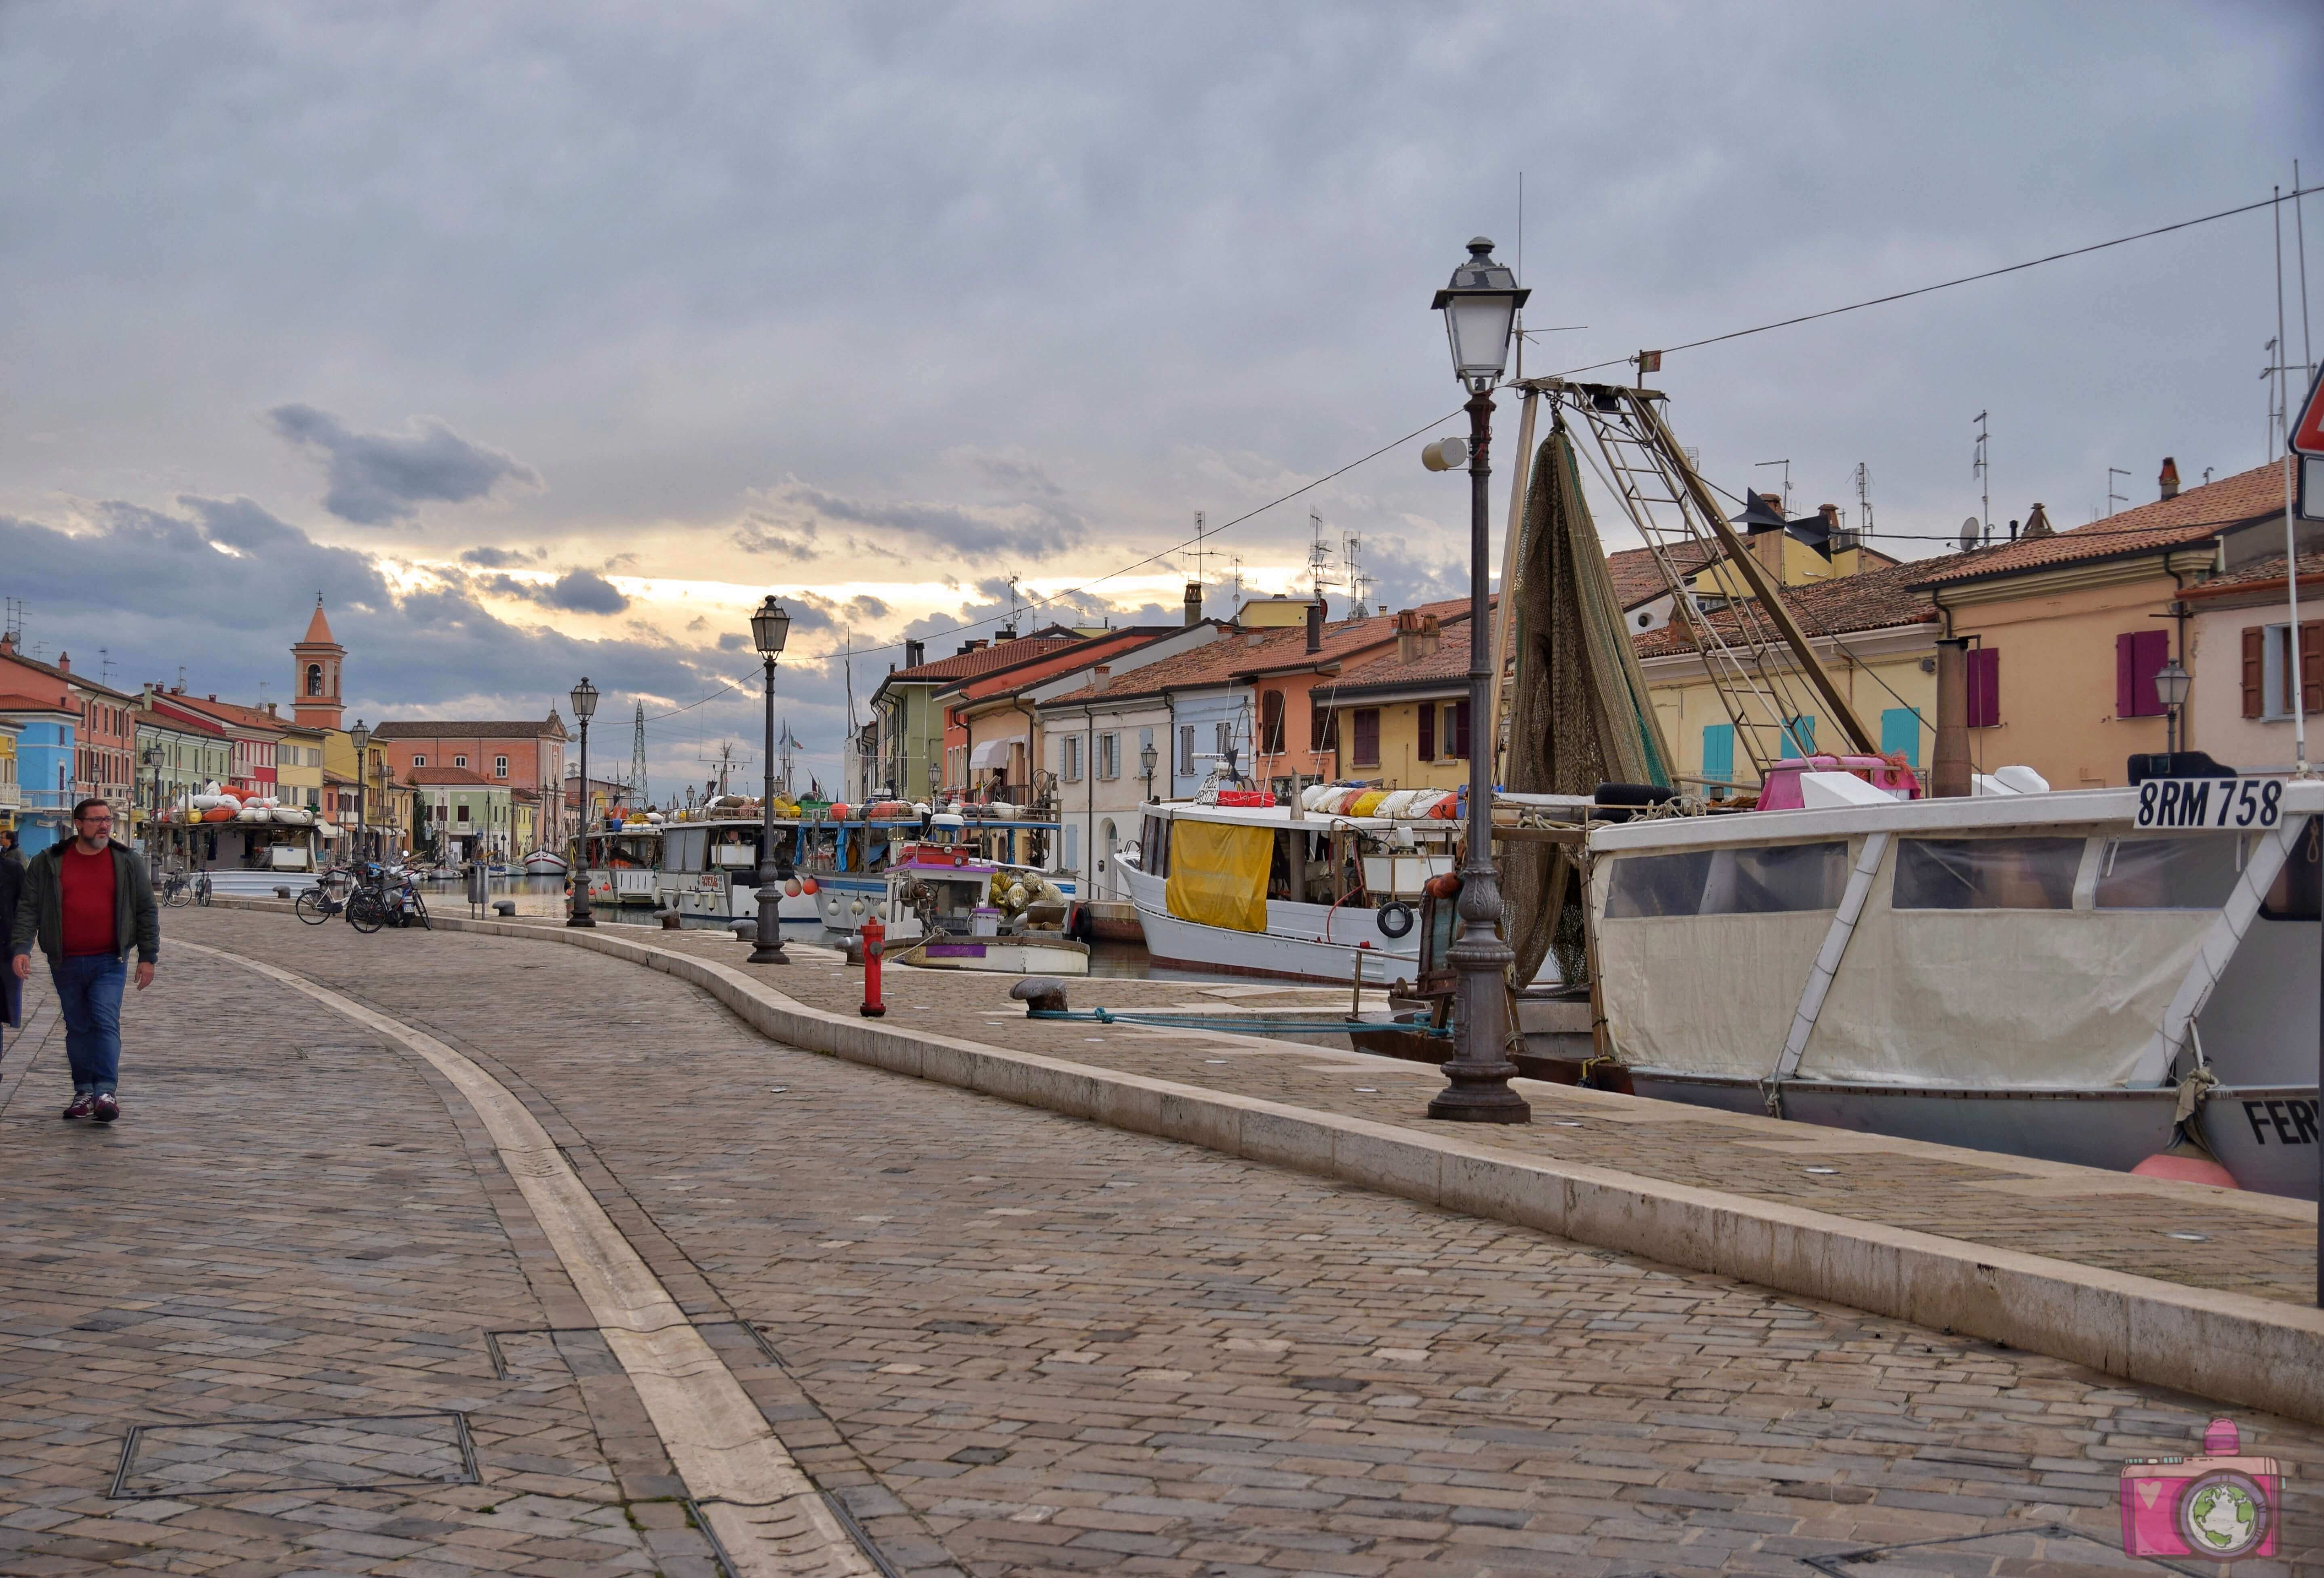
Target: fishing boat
<point>1318,892</point>
<point>959,912</point>
<point>837,854</point>
<point>619,861</point>
<point>2064,975</point>
<point>995,834</point>
<point>544,863</point>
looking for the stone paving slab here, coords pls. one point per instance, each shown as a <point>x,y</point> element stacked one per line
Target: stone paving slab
<point>287,1224</point>
<point>1052,1347</point>
<point>2254,1244</point>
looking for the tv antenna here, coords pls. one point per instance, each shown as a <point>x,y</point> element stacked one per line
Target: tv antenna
<point>1200,526</point>
<point>15,626</point>
<point>1787,479</point>
<point>1352,547</point>
<point>1980,468</point>
<point>1319,557</point>
<point>1864,495</point>
<point>2114,497</point>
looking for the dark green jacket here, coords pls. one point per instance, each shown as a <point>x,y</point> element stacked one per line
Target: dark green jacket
<point>41,912</point>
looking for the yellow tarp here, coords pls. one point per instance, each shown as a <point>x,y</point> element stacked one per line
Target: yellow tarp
<point>1218,874</point>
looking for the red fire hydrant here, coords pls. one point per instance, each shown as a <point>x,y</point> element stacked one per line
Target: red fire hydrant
<point>875,937</point>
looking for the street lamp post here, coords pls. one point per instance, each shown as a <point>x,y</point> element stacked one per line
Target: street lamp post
<point>2172,683</point>
<point>1479,307</point>
<point>1148,758</point>
<point>152,759</point>
<point>360,737</point>
<point>771,627</point>
<point>585,705</point>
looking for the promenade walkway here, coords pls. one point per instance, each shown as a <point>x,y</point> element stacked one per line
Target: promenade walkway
<point>1006,1341</point>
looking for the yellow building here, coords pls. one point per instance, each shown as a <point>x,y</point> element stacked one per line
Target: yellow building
<point>1874,634</point>
<point>1402,717</point>
<point>299,765</point>
<point>2068,630</point>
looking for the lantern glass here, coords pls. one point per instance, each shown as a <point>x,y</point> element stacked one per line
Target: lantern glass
<point>1146,758</point>
<point>1480,307</point>
<point>2171,683</point>
<point>771,627</point>
<point>360,735</point>
<point>585,701</point>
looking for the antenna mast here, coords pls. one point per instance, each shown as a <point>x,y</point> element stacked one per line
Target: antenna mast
<point>1319,556</point>
<point>1979,469</point>
<point>638,760</point>
<point>1863,495</point>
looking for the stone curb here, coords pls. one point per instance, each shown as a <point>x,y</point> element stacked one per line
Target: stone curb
<point>2230,1346</point>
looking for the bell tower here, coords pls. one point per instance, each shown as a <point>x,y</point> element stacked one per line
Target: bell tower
<point>314,678</point>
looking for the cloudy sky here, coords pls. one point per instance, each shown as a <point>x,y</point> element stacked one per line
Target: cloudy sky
<point>544,339</point>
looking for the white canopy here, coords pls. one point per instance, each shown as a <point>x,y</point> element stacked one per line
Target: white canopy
<point>992,753</point>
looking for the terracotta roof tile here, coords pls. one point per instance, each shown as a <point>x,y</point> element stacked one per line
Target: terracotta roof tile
<point>1870,600</point>
<point>1636,578</point>
<point>2194,515</point>
<point>2259,572</point>
<point>448,776</point>
<point>986,658</point>
<point>1243,652</point>
<point>469,728</point>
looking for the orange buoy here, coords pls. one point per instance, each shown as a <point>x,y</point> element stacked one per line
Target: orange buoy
<point>2187,1162</point>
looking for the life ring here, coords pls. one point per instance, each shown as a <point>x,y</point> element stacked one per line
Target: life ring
<point>1394,919</point>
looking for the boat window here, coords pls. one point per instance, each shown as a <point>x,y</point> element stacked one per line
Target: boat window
<point>2297,888</point>
<point>1986,873</point>
<point>2168,874</point>
<point>1760,880</point>
<point>1154,848</point>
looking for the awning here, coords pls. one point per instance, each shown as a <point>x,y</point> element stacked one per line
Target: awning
<point>993,753</point>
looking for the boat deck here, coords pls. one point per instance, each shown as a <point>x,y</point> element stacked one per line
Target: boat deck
<point>2248,1244</point>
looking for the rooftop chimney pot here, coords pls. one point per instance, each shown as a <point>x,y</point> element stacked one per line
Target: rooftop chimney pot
<point>1194,602</point>
<point>1316,626</point>
<point>2169,479</point>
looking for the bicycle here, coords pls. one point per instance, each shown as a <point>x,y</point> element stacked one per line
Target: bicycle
<point>177,890</point>
<point>326,897</point>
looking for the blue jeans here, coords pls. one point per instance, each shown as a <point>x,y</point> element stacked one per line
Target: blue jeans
<point>88,995</point>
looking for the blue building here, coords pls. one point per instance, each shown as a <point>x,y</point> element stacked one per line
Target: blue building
<point>44,772</point>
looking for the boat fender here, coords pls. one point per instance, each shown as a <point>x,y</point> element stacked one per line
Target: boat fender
<point>1395,919</point>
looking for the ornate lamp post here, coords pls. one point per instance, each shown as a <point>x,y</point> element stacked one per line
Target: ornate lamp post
<point>936,780</point>
<point>1148,758</point>
<point>1479,307</point>
<point>152,756</point>
<point>771,627</point>
<point>585,704</point>
<point>360,736</point>
<point>2172,683</point>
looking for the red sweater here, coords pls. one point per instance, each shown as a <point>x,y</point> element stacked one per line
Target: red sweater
<point>87,884</point>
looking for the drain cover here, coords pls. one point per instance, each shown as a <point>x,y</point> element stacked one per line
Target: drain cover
<point>237,1457</point>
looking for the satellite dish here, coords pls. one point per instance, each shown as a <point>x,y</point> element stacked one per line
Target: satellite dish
<point>1969,534</point>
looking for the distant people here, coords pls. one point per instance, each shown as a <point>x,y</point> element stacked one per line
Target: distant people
<point>88,902</point>
<point>12,888</point>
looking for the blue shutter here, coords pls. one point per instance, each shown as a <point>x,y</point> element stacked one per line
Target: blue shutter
<point>1719,751</point>
<point>1799,736</point>
<point>1900,734</point>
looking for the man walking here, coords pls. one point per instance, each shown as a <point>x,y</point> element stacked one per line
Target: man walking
<point>87,901</point>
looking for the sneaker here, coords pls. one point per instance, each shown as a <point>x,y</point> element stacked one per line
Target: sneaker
<point>83,1104</point>
<point>108,1109</point>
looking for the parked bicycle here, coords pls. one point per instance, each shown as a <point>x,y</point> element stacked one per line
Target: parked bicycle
<point>388,899</point>
<point>177,890</point>
<point>326,897</point>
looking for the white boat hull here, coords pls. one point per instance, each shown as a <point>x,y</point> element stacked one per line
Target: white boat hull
<point>1007,955</point>
<point>542,863</point>
<point>1302,942</point>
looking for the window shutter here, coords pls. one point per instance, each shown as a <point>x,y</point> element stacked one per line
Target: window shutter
<point>2311,667</point>
<point>1461,730</point>
<point>1427,731</point>
<point>2125,683</point>
<point>1366,737</point>
<point>1984,687</point>
<point>2254,669</point>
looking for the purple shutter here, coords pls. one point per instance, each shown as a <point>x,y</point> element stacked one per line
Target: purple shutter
<point>1427,710</point>
<point>2125,671</point>
<point>1984,687</point>
<point>1461,730</point>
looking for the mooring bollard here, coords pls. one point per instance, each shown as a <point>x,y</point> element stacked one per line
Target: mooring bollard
<point>875,937</point>
<point>505,908</point>
<point>670,918</point>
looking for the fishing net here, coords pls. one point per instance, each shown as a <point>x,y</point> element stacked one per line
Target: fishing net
<point>1579,715</point>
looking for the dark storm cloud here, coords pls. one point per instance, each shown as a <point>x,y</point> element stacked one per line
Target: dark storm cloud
<point>577,592</point>
<point>502,558</point>
<point>378,478</point>
<point>969,533</point>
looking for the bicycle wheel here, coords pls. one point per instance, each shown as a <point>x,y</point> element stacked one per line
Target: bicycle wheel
<point>313,907</point>
<point>365,913</point>
<point>419,912</point>
<point>177,896</point>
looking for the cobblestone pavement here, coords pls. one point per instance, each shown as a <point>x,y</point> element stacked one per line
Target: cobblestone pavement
<point>2254,1244</point>
<point>1010,1341</point>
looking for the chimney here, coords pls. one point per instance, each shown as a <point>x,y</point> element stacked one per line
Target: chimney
<point>1316,626</point>
<point>2169,479</point>
<point>64,663</point>
<point>1005,633</point>
<point>7,646</point>
<point>1408,634</point>
<point>1950,771</point>
<point>916,653</point>
<point>2037,524</point>
<point>1100,678</point>
<point>1194,602</point>
<point>1432,636</point>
